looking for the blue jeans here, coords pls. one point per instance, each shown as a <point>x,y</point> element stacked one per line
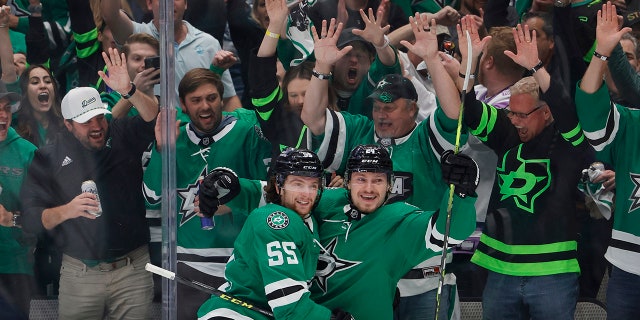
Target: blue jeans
<point>423,306</point>
<point>623,296</point>
<point>540,297</point>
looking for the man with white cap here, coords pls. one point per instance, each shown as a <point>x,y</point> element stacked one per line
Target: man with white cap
<point>103,235</point>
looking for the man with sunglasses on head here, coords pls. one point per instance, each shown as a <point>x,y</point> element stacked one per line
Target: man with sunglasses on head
<point>529,242</point>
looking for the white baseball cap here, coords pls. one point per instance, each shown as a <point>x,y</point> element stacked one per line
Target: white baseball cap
<point>83,103</point>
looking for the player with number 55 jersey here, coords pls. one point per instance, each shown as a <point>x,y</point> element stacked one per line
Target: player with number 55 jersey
<point>276,253</point>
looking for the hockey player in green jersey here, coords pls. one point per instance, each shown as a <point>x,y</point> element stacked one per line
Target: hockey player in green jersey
<point>212,138</point>
<point>415,148</point>
<point>369,244</point>
<point>613,130</point>
<point>276,253</point>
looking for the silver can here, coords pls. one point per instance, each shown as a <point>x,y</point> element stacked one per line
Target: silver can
<point>91,187</point>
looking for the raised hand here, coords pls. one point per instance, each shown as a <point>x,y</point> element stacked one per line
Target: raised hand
<point>468,24</point>
<point>426,45</point>
<point>607,33</point>
<point>526,47</point>
<point>118,76</point>
<point>325,48</point>
<point>373,31</point>
<point>277,11</point>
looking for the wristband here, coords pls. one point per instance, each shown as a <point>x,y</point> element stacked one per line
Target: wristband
<point>471,75</point>
<point>386,43</point>
<point>536,67</point>
<point>272,35</point>
<point>14,222</point>
<point>322,76</point>
<point>131,92</point>
<point>599,56</point>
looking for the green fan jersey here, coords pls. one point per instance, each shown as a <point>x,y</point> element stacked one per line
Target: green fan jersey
<point>614,132</point>
<point>274,259</point>
<point>239,145</point>
<point>416,156</point>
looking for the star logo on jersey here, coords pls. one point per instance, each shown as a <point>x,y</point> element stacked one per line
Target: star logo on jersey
<point>329,263</point>
<point>526,183</point>
<point>277,220</point>
<point>188,195</point>
<point>635,194</point>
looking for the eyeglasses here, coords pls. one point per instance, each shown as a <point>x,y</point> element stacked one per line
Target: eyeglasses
<point>523,115</point>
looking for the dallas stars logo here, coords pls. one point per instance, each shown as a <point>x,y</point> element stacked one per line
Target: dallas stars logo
<point>527,182</point>
<point>329,263</point>
<point>635,194</point>
<point>188,195</point>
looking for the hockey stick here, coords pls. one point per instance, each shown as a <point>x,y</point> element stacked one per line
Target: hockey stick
<point>205,288</point>
<point>443,259</point>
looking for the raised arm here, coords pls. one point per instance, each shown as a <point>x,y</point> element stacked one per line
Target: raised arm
<point>426,47</point>
<point>118,80</point>
<point>277,11</point>
<point>316,99</point>
<point>607,36</point>
<point>468,26</point>
<point>6,50</point>
<point>121,26</point>
<point>527,55</point>
<point>374,32</point>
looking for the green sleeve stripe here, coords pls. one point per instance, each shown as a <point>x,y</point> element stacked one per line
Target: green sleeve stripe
<point>574,136</point>
<point>86,37</point>
<point>587,57</point>
<point>83,53</point>
<point>529,249</point>
<point>525,269</point>
<point>264,115</point>
<point>260,102</point>
<point>487,122</point>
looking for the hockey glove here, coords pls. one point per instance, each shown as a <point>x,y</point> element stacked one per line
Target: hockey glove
<point>461,171</point>
<point>218,187</point>
<point>339,314</point>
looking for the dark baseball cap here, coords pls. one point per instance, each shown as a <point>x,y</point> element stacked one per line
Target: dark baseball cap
<point>13,97</point>
<point>347,36</point>
<point>393,87</point>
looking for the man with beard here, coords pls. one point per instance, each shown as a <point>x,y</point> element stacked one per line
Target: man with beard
<point>212,138</point>
<point>103,254</point>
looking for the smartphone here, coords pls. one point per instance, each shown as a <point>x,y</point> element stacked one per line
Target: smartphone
<point>152,62</point>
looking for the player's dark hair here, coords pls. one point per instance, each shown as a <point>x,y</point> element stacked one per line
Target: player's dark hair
<point>271,195</point>
<point>196,77</point>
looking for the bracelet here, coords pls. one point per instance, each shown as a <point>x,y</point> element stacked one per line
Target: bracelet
<point>272,35</point>
<point>131,92</point>
<point>471,75</point>
<point>599,56</point>
<point>536,67</point>
<point>386,43</point>
<point>322,76</point>
<point>3,25</point>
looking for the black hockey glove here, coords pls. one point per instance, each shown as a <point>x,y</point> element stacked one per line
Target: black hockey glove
<point>218,187</point>
<point>339,314</point>
<point>461,171</point>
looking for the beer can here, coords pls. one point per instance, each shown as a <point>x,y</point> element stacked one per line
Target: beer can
<point>207,223</point>
<point>91,187</point>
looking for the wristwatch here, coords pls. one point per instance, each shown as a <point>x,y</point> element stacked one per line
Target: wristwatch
<point>131,92</point>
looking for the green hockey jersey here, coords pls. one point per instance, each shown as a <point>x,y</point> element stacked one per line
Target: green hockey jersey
<point>361,261</point>
<point>238,146</point>
<point>416,156</point>
<point>274,259</point>
<point>614,132</point>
